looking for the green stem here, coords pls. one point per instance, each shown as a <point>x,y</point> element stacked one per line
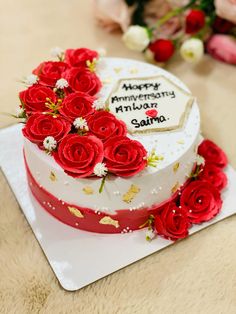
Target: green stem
<point>102,184</point>
<point>173,13</point>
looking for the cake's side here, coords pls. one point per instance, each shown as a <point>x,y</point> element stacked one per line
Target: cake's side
<point>151,188</point>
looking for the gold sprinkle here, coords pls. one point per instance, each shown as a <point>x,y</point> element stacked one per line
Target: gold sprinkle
<point>88,190</point>
<point>133,71</point>
<point>176,167</point>
<point>175,188</point>
<point>52,176</point>
<point>107,80</point>
<point>130,194</point>
<point>76,212</point>
<point>109,221</point>
<point>180,142</point>
<point>117,70</point>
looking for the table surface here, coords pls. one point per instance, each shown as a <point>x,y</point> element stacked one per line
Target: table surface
<point>196,275</point>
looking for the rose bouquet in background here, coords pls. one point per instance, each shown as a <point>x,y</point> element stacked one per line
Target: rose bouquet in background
<point>160,28</point>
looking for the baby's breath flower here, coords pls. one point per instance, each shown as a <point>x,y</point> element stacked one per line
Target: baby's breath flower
<point>100,169</point>
<point>98,104</point>
<point>57,52</point>
<point>31,79</point>
<point>150,234</point>
<point>49,143</point>
<point>80,123</point>
<point>101,52</point>
<point>61,83</point>
<point>200,160</point>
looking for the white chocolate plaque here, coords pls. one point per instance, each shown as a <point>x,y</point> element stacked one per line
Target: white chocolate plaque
<point>149,104</point>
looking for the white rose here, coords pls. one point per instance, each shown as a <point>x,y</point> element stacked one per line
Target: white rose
<point>192,50</point>
<point>136,38</point>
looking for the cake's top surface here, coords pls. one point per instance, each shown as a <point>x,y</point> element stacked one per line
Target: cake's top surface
<point>116,116</point>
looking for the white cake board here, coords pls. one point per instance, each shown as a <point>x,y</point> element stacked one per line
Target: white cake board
<point>72,253</point>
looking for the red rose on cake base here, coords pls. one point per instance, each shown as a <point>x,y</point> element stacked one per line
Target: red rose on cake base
<point>172,223</point>
<point>201,201</point>
<point>212,154</point>
<point>214,175</point>
<point>78,155</point>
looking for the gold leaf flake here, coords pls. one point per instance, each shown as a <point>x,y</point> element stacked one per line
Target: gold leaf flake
<point>76,212</point>
<point>88,190</point>
<point>175,188</point>
<point>176,167</point>
<point>180,142</point>
<point>117,70</point>
<point>133,71</point>
<point>130,194</point>
<point>52,176</point>
<point>109,221</point>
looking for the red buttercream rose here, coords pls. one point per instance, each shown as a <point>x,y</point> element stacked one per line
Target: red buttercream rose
<point>124,157</point>
<point>212,153</point>
<point>34,98</point>
<point>83,80</point>
<point>163,49</point>
<point>49,72</point>
<point>78,155</point>
<point>172,223</point>
<point>78,57</point>
<point>39,126</point>
<point>195,20</point>
<point>201,201</point>
<point>105,125</point>
<point>215,175</point>
<point>77,105</point>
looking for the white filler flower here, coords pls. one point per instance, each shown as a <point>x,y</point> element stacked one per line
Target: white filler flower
<point>19,112</point>
<point>100,169</point>
<point>98,104</point>
<point>101,52</point>
<point>61,83</point>
<point>56,52</point>
<point>31,79</point>
<point>192,50</point>
<point>136,38</point>
<point>200,160</point>
<point>80,123</point>
<point>50,143</point>
<point>150,234</point>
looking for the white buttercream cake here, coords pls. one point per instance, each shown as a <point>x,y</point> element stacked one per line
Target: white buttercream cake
<point>160,113</point>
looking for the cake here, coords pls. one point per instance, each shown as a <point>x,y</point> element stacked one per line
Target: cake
<point>111,145</point>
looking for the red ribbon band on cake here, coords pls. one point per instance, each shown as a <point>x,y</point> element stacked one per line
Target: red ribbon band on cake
<point>87,219</point>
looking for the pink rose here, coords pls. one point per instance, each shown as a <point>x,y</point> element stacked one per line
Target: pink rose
<point>223,48</point>
<point>226,9</point>
<point>112,14</point>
